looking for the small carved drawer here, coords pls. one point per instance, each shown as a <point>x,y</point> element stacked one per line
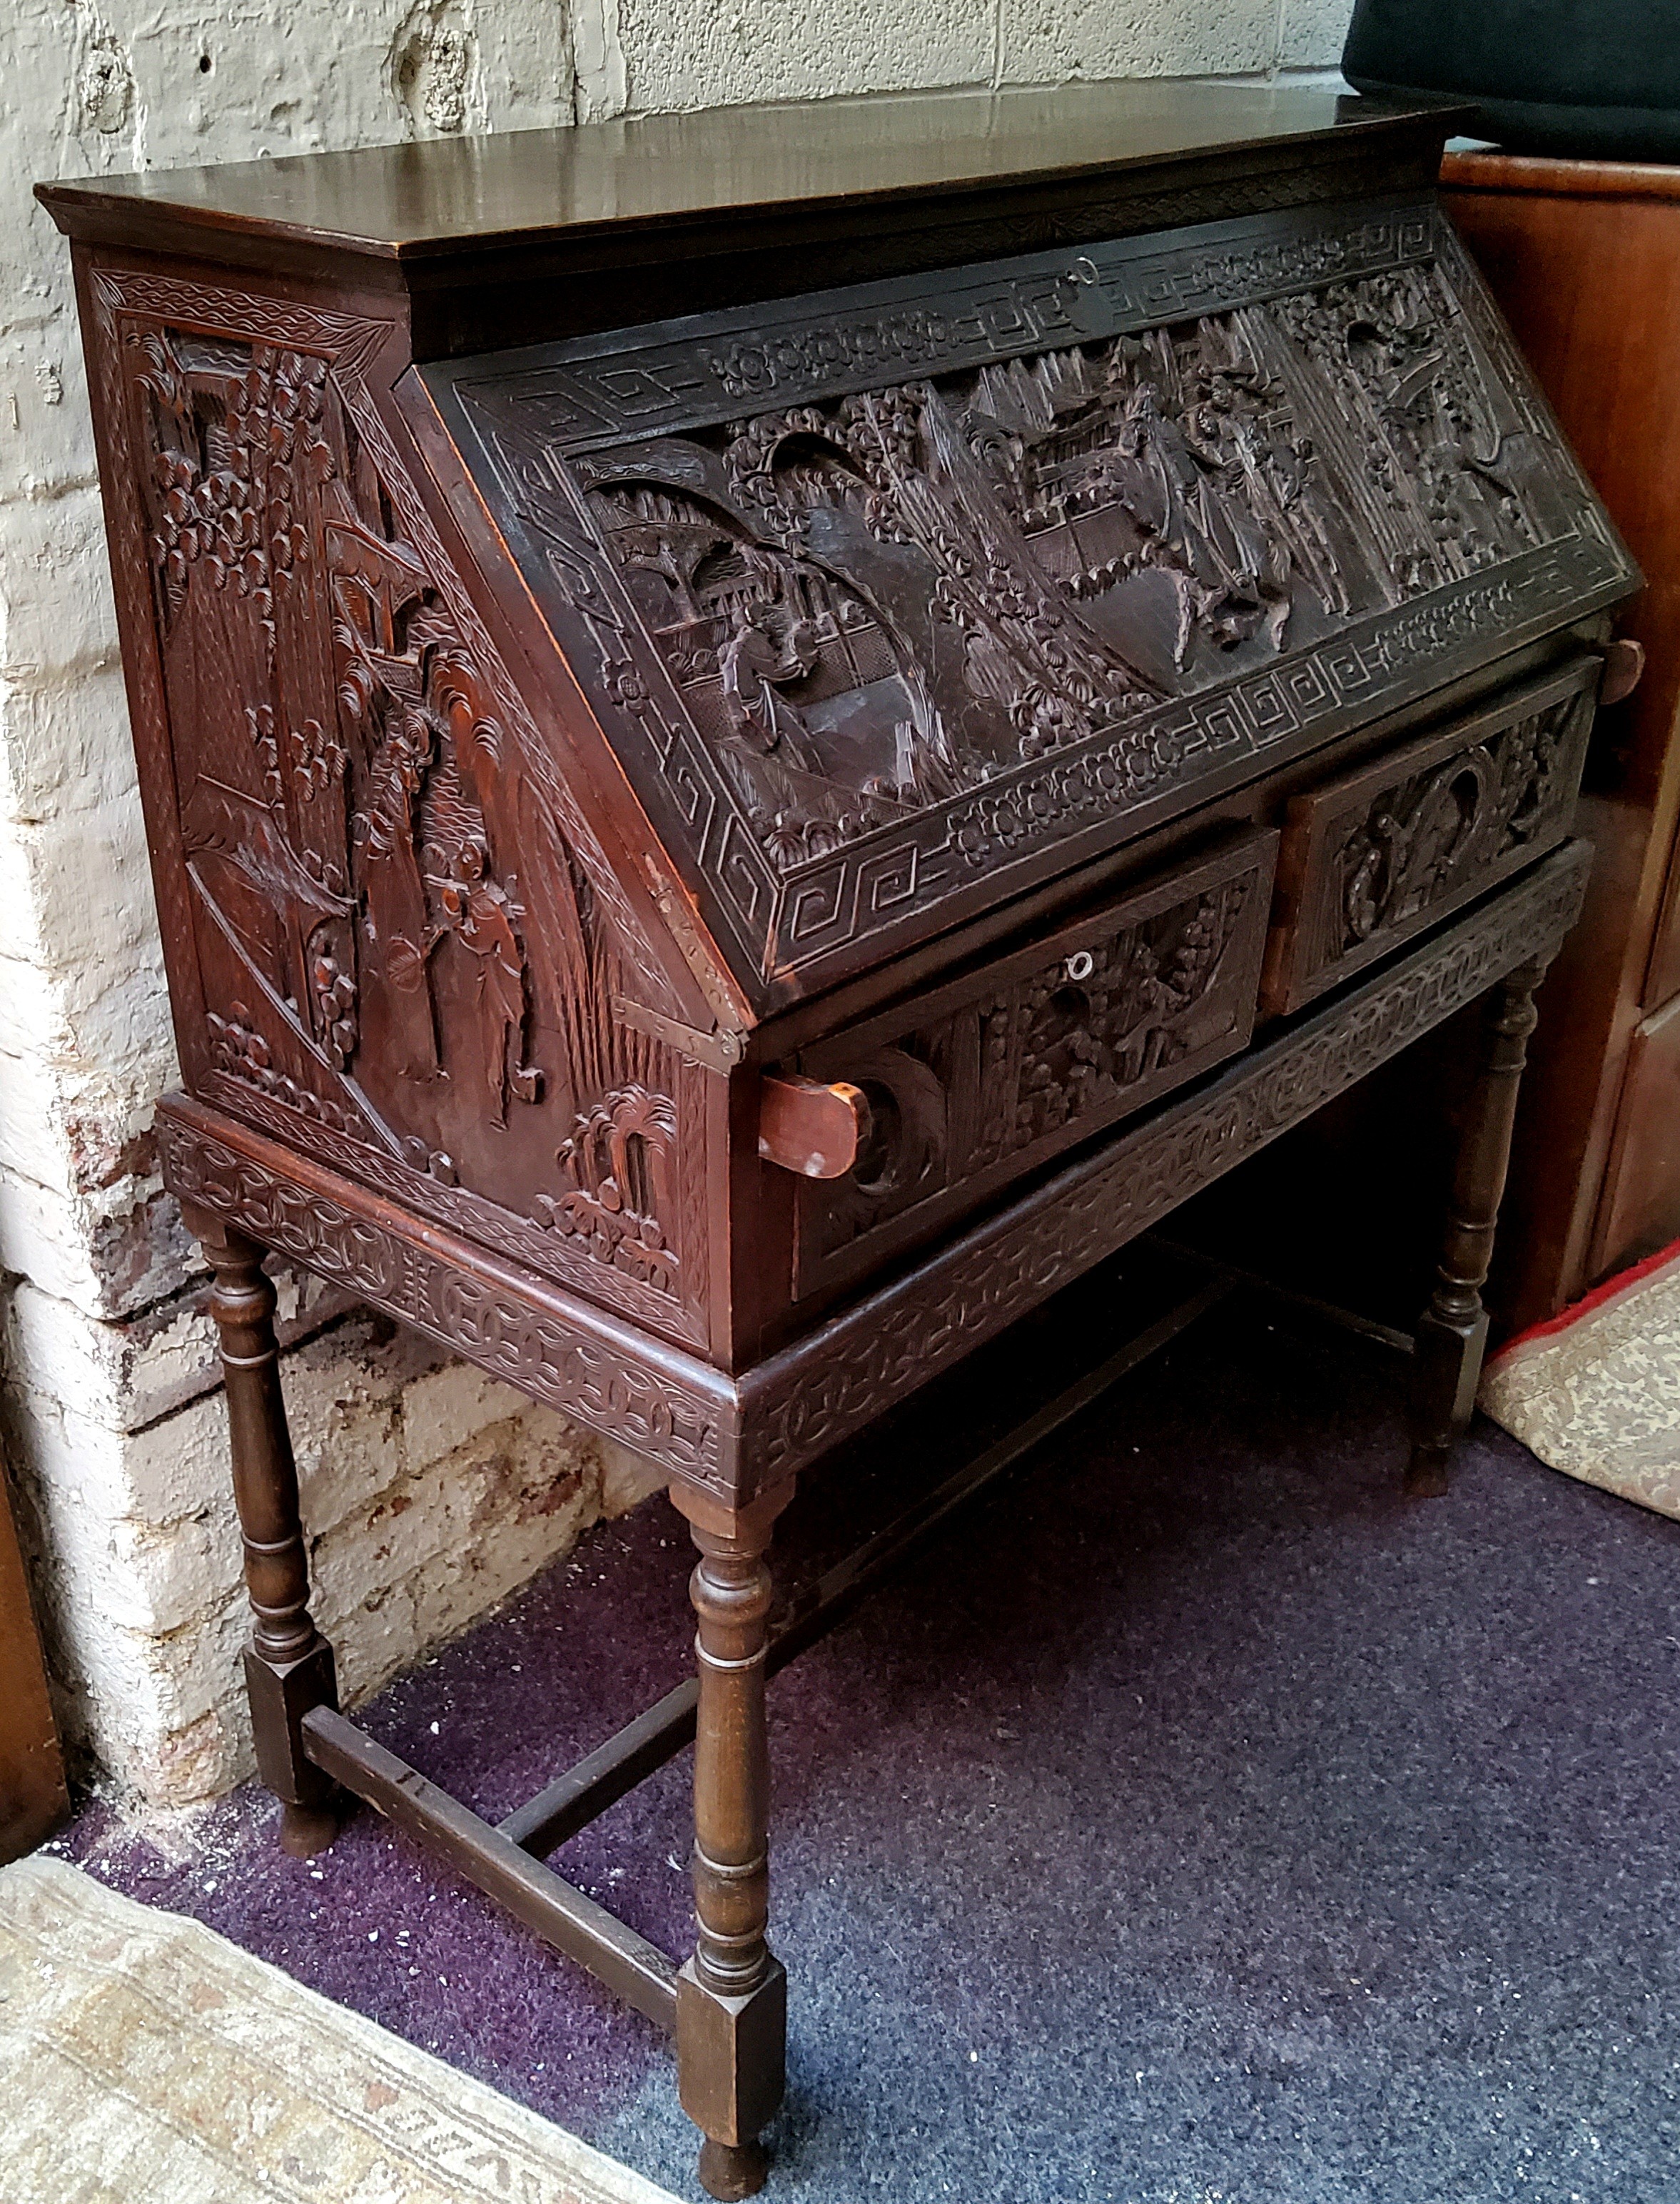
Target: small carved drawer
<point>1384,852</point>
<point>975,1083</point>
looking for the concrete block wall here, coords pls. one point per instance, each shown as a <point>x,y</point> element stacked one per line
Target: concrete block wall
<point>432,1493</point>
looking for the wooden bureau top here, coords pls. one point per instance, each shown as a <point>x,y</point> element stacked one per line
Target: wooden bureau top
<point>430,214</point>
<point>435,196</point>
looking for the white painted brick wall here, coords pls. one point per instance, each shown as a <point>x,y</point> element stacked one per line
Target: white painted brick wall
<point>431,1493</point>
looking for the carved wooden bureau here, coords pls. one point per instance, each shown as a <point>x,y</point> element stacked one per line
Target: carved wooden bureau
<point>719,840</point>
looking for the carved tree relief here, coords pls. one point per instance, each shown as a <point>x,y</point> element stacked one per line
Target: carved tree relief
<point>1374,857</point>
<point>620,1157</point>
<point>1456,823</point>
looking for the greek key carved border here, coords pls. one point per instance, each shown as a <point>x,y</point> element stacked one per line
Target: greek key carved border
<point>595,391</point>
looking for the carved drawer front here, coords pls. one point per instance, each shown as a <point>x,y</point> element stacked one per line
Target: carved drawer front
<point>1386,852</point>
<point>979,1081</point>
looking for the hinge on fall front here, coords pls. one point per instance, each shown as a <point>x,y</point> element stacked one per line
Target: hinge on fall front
<point>718,1051</point>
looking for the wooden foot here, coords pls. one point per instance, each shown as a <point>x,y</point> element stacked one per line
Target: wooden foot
<point>288,1665</point>
<point>730,2170</point>
<point>306,1830</point>
<point>1452,1332</point>
<point>1427,1476</point>
<point>731,1996</point>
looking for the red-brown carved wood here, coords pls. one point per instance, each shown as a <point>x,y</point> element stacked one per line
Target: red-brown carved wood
<point>716,844</point>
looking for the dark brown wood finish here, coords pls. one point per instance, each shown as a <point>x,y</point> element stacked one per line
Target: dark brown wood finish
<point>713,864</point>
<point>882,653</point>
<point>733,1994</point>
<point>1377,855</point>
<point>544,233</point>
<point>1452,1332</point>
<point>288,1663</point>
<point>566,1918</point>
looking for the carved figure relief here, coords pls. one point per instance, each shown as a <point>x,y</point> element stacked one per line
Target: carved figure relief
<point>1005,1072</point>
<point>396,942</point>
<point>916,630</point>
<point>875,603</point>
<point>430,888</point>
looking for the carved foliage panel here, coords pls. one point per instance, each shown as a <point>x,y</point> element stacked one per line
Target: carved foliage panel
<point>885,594</point>
<point>1383,852</point>
<point>406,966</point>
<point>978,1085</point>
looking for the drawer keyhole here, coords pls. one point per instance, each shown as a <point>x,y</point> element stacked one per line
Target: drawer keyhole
<point>1081,965</point>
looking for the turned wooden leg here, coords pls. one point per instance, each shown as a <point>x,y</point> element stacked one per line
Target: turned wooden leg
<point>1452,1332</point>
<point>731,1996</point>
<point>288,1665</point>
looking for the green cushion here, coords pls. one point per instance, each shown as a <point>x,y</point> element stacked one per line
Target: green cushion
<point>1595,78</point>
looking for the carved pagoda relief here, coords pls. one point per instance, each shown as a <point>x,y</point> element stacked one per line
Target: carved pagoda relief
<point>1381,853</point>
<point>878,603</point>
<point>396,941</point>
<point>906,634</point>
<point>994,1076</point>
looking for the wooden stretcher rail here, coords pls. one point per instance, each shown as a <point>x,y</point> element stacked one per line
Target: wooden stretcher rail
<point>635,1969</point>
<point>573,1800</point>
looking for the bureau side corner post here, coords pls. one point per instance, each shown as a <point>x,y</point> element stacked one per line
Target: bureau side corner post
<point>288,1664</point>
<point>1452,1332</point>
<point>731,1995</point>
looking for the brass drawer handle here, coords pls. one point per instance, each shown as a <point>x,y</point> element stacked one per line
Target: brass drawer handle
<point>811,1128</point>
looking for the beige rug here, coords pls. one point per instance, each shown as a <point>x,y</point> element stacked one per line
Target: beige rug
<point>145,2060</point>
<point>1597,1393</point>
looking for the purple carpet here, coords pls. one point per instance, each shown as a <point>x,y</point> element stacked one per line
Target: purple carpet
<point>1196,1821</point>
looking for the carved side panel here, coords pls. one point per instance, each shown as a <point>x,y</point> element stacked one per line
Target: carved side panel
<point>737,1437</point>
<point>893,598</point>
<point>408,966</point>
<point>979,1084</point>
<point>1382,853</point>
